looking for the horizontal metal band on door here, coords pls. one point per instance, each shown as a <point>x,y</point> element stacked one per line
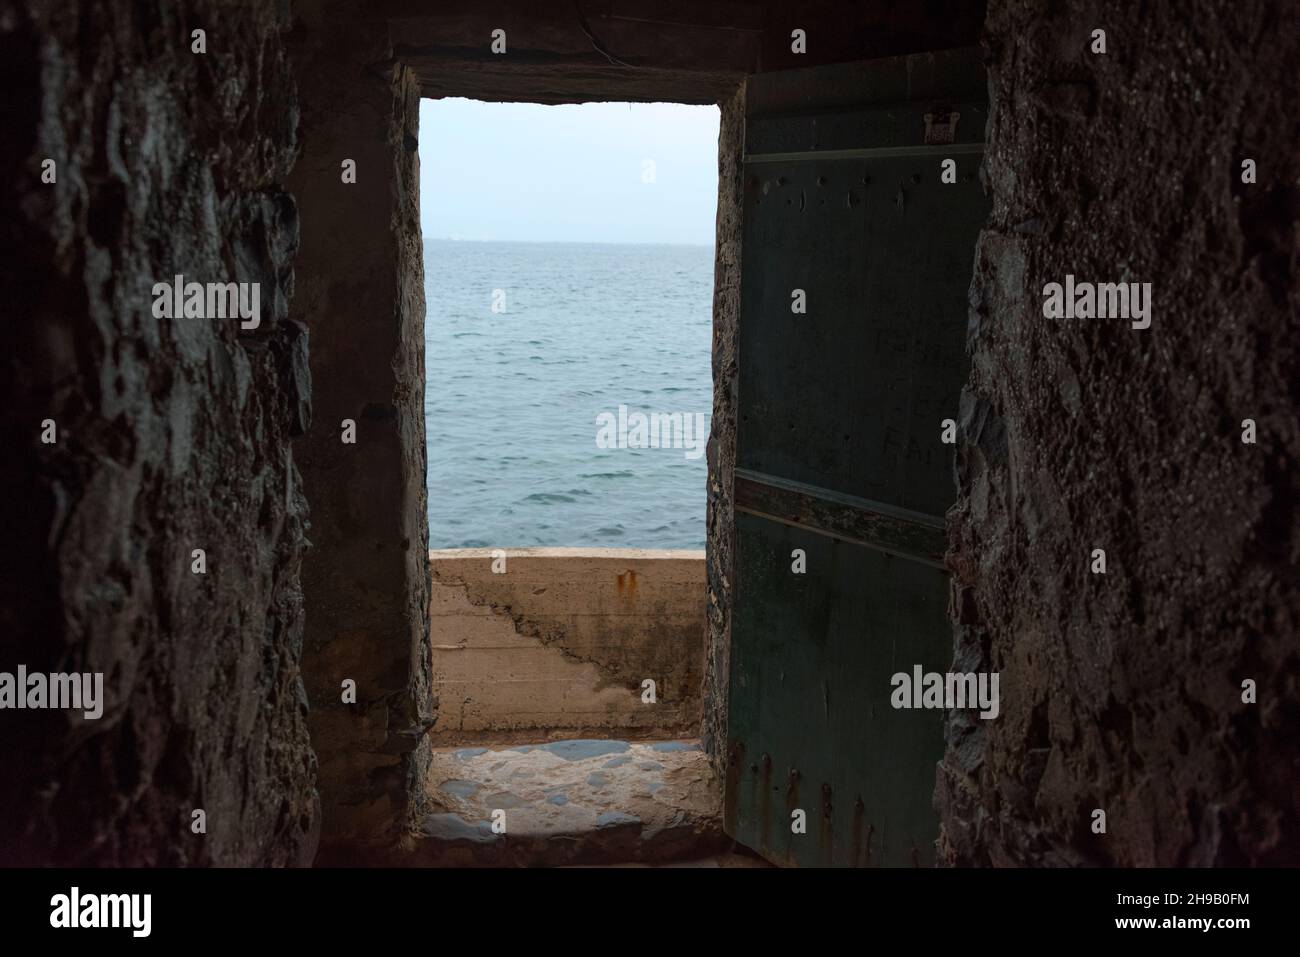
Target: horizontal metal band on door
<point>878,525</point>
<point>874,152</point>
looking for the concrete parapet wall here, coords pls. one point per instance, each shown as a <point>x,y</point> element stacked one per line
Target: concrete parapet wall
<point>560,643</point>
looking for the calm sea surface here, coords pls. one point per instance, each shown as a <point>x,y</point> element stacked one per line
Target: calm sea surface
<point>512,397</point>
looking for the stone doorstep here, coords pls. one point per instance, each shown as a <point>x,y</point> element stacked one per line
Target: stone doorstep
<point>572,802</point>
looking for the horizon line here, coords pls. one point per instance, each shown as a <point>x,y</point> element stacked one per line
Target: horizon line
<point>569,242</point>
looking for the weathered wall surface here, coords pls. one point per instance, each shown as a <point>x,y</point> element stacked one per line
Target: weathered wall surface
<point>677,52</point>
<point>721,516</point>
<point>361,292</point>
<point>172,435</point>
<point>558,643</point>
<point>1123,691</point>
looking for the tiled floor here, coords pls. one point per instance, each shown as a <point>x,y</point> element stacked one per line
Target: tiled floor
<point>575,802</point>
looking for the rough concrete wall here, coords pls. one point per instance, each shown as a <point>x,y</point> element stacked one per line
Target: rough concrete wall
<point>721,519</point>
<point>677,52</point>
<point>1123,691</point>
<point>361,292</point>
<point>172,435</point>
<point>559,642</point>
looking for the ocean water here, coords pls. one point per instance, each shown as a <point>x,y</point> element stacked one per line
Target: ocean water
<point>513,397</point>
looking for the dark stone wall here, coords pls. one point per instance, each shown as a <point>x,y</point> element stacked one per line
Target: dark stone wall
<point>361,292</point>
<point>721,517</point>
<point>1123,691</point>
<point>172,435</point>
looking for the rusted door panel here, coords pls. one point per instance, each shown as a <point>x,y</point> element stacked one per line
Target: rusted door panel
<point>839,452</point>
<point>812,698</point>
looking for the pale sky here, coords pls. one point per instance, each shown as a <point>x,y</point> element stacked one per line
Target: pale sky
<point>573,173</point>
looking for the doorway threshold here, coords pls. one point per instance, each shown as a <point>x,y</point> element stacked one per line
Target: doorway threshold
<point>588,801</point>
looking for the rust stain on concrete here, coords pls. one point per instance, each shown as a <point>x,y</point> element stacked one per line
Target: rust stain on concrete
<point>627,585</point>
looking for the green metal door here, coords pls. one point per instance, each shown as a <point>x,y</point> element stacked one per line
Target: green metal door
<point>839,451</point>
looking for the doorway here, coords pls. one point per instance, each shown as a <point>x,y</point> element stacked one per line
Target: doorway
<point>567,342</point>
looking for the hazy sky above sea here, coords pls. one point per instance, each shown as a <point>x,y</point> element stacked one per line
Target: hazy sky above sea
<point>573,173</point>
